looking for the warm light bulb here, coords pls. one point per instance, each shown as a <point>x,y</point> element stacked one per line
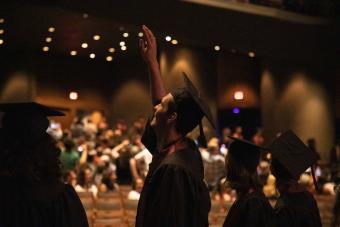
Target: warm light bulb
<point>46,48</point>
<point>51,29</point>
<point>73,52</point>
<point>125,34</point>
<point>1,41</point>
<point>92,55</point>
<point>251,54</point>
<point>96,37</point>
<point>174,41</point>
<point>2,31</point>
<point>140,34</point>
<point>111,50</point>
<point>238,95</point>
<point>122,43</point>
<point>73,95</point>
<point>168,38</point>
<point>217,48</point>
<point>123,48</point>
<point>109,58</point>
<point>84,45</point>
<point>48,39</point>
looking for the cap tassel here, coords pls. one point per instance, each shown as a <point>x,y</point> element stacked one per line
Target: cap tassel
<point>201,138</point>
<point>314,179</point>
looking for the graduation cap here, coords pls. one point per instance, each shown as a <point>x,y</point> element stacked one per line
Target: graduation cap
<point>292,154</point>
<point>26,122</point>
<point>191,108</point>
<point>245,152</point>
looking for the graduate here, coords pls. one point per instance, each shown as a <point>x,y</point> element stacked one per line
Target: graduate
<point>295,207</point>
<point>174,192</point>
<point>32,193</point>
<point>251,209</point>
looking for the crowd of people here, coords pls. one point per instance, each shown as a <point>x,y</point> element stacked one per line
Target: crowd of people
<point>96,157</point>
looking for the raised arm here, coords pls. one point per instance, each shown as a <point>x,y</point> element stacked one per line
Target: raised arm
<point>148,49</point>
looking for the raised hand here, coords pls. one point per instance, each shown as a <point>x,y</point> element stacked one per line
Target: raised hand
<point>148,46</point>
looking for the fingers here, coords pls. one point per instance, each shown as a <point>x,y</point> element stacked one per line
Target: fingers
<point>150,38</point>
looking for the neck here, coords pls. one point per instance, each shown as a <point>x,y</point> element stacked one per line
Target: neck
<point>166,137</point>
<point>291,186</point>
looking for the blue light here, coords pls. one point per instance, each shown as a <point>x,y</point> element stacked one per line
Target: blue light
<point>236,110</point>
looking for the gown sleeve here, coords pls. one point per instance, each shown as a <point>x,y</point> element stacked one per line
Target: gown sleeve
<point>173,200</point>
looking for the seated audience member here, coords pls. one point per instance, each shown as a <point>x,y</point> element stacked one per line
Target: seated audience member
<point>70,177</point>
<point>108,183</point>
<point>139,164</point>
<point>213,161</point>
<point>135,193</point>
<point>238,133</point>
<point>295,206</point>
<point>69,158</point>
<point>85,182</point>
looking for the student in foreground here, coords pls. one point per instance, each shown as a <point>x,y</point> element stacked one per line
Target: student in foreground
<point>174,192</point>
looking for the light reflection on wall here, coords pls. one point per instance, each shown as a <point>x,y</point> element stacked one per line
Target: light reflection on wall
<point>301,105</point>
<point>19,87</point>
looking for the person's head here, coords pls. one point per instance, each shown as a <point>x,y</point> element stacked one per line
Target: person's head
<point>69,145</point>
<point>181,111</point>
<point>238,130</point>
<point>176,115</point>
<point>238,176</point>
<point>213,145</point>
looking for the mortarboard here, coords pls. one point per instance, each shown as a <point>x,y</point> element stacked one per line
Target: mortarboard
<point>292,154</point>
<point>246,153</point>
<point>191,108</point>
<point>26,122</point>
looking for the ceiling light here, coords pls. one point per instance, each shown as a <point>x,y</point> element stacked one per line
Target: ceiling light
<point>51,29</point>
<point>168,38</point>
<point>85,15</point>
<point>174,41</point>
<point>109,58</point>
<point>2,20</point>
<point>96,37</point>
<point>73,95</point>
<point>122,43</point>
<point>251,54</point>
<point>140,34</point>
<point>238,95</point>
<point>45,48</point>
<point>217,48</point>
<point>2,31</point>
<point>1,41</point>
<point>111,50</point>
<point>73,53</point>
<point>48,39</point>
<point>125,34</point>
<point>92,55</point>
<point>84,45</point>
<point>123,47</point>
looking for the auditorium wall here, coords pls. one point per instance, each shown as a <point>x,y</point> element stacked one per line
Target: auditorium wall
<point>298,97</point>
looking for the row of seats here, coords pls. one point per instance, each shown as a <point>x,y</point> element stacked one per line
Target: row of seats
<point>114,210</point>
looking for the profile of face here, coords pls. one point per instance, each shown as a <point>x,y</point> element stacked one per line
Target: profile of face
<point>162,118</point>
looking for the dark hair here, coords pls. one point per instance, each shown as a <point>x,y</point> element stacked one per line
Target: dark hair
<point>239,177</point>
<point>184,106</point>
<point>31,164</point>
<point>69,144</point>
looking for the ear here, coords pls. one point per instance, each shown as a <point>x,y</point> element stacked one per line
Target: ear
<point>172,117</point>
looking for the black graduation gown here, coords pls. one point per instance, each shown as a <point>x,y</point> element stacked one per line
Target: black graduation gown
<point>174,193</point>
<point>250,210</point>
<point>297,210</point>
<point>43,205</point>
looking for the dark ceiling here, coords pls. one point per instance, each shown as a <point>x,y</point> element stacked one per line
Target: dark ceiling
<point>27,22</point>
